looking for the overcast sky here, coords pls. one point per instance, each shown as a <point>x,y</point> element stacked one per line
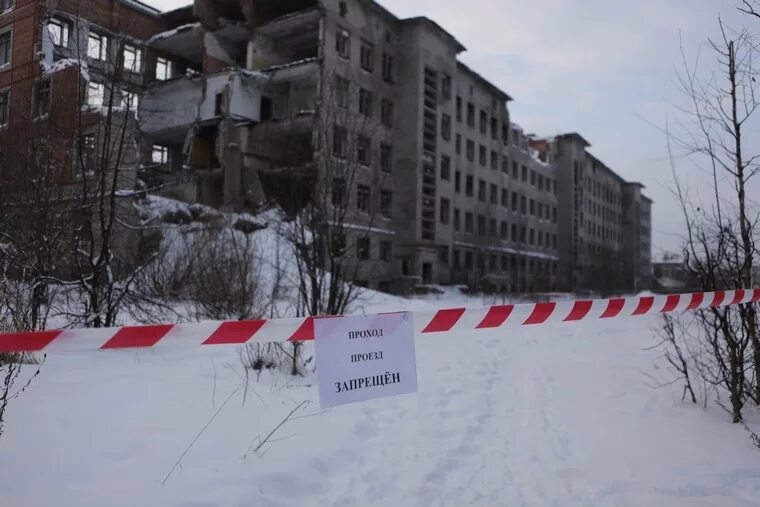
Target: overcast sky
<point>604,69</point>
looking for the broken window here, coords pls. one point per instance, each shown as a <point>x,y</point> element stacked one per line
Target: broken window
<point>218,104</point>
<point>362,248</point>
<point>266,109</point>
<point>340,139</point>
<point>386,112</point>
<point>363,150</point>
<point>343,43</point>
<point>342,87</point>
<point>362,198</point>
<point>365,102</point>
<point>130,101</point>
<point>446,86</point>
<point>6,5</point>
<point>97,46</point>
<point>60,31</point>
<point>367,56</point>
<point>41,98</point>
<point>445,210</point>
<point>5,48</point>
<point>132,58</point>
<point>5,106</point>
<point>385,250</point>
<point>163,69</point>
<point>387,68</point>
<point>95,94</point>
<point>338,193</point>
<point>386,157</point>
<point>446,127</point>
<point>386,203</point>
<point>445,167</point>
<point>87,159</point>
<point>159,154</point>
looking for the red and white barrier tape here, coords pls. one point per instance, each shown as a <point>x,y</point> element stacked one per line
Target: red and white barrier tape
<point>302,328</point>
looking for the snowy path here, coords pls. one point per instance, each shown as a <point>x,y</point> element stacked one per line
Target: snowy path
<point>545,416</point>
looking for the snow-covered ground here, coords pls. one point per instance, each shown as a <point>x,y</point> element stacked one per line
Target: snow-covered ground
<point>551,415</point>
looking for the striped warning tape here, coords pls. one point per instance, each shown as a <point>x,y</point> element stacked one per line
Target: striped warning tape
<point>302,328</point>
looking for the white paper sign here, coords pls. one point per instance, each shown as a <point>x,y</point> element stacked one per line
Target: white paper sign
<point>364,357</point>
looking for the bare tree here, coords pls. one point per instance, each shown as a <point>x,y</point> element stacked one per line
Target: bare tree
<point>334,207</point>
<point>721,231</point>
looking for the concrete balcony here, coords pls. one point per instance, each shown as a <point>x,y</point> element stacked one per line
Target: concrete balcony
<point>169,109</point>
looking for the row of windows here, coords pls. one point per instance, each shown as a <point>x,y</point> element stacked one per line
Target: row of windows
<point>364,249</point>
<point>520,172</point>
<point>598,210</point>
<point>366,101</point>
<point>366,54</point>
<point>602,233</point>
<point>517,264</point>
<point>364,202</point>
<point>362,149</point>
<point>603,191</point>
<point>485,121</point>
<point>501,229</point>
<point>493,194</point>
<point>95,97</point>
<point>98,46</point>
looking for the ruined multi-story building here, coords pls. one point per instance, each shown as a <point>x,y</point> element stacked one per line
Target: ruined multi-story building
<point>454,190</point>
<point>243,102</point>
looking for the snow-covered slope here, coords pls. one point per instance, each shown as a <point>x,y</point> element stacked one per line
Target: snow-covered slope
<point>550,415</point>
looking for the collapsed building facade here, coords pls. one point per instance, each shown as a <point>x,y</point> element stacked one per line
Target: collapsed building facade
<point>247,102</point>
<point>282,86</point>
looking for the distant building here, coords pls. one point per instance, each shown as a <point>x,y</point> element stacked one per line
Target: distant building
<point>604,221</point>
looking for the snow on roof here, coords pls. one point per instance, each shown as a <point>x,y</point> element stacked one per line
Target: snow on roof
<point>65,63</point>
<point>145,8</point>
<point>174,31</point>
<point>289,64</point>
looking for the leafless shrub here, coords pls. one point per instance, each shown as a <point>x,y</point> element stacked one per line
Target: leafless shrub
<point>673,340</point>
<point>273,356</point>
<point>11,366</point>
<point>225,276</point>
<point>752,436</point>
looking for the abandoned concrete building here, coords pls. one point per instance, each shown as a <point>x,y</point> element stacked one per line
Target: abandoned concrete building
<point>246,102</point>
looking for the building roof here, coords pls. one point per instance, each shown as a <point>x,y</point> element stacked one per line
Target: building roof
<point>483,81</point>
<point>575,137</point>
<point>435,27</point>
